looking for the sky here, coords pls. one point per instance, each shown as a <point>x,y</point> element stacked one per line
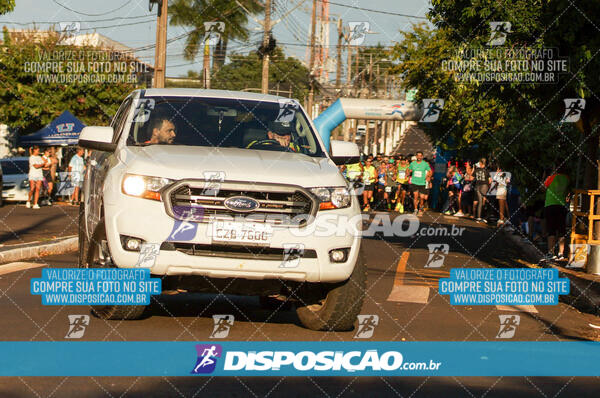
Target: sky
<point>136,26</point>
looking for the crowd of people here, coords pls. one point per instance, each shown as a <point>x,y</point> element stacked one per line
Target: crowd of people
<point>399,183</point>
<point>43,175</point>
<point>478,190</point>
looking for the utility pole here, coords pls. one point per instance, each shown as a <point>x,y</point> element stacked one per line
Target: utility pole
<point>356,56</point>
<point>370,74</point>
<point>160,55</point>
<point>338,71</point>
<point>311,62</point>
<point>206,64</point>
<point>266,39</point>
<point>349,77</point>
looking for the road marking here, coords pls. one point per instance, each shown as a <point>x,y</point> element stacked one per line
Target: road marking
<point>518,308</point>
<point>409,294</point>
<point>406,293</point>
<point>18,266</point>
<point>401,269</point>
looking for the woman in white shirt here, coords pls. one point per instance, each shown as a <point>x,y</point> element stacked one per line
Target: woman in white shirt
<point>502,179</point>
<point>36,176</point>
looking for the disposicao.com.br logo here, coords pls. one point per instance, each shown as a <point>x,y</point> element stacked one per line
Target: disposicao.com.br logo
<point>326,361</point>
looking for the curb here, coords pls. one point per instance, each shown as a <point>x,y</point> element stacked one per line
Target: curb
<point>585,288</point>
<point>37,249</point>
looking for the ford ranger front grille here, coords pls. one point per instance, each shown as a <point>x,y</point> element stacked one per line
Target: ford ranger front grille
<point>204,201</point>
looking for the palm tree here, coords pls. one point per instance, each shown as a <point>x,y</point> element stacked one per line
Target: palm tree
<point>194,13</point>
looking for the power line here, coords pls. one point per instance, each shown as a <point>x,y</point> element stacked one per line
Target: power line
<point>91,15</point>
<point>116,26</point>
<point>372,10</point>
<point>88,21</point>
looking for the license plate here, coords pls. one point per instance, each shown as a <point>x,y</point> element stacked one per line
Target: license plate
<point>242,233</point>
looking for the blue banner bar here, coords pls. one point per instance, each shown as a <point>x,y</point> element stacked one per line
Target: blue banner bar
<point>229,358</point>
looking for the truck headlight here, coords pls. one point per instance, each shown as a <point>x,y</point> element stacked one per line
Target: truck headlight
<point>144,186</point>
<point>332,198</point>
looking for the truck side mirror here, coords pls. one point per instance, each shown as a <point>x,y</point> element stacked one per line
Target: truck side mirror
<point>343,152</point>
<point>98,138</point>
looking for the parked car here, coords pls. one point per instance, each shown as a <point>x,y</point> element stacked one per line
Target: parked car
<point>225,186</point>
<point>15,180</point>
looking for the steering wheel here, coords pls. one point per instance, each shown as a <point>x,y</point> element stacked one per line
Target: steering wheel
<point>270,145</point>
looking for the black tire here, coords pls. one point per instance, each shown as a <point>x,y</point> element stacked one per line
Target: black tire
<point>333,306</point>
<point>83,240</point>
<point>91,253</point>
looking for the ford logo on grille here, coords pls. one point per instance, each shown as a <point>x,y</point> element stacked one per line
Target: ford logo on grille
<point>241,203</point>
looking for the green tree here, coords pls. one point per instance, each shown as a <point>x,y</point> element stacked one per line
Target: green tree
<point>6,6</point>
<point>470,111</point>
<point>245,71</point>
<point>28,101</point>
<point>194,13</point>
<point>570,28</point>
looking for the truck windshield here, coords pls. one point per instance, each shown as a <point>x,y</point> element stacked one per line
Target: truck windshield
<point>14,166</point>
<point>224,123</point>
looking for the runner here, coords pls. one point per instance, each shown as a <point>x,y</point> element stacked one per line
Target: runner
<point>368,177</point>
<point>391,184</point>
<point>353,175</point>
<point>420,173</point>
<point>381,173</point>
<point>402,178</point>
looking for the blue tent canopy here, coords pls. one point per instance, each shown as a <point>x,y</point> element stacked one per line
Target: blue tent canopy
<point>64,130</point>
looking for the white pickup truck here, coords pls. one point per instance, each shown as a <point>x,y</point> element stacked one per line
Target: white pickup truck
<point>216,191</point>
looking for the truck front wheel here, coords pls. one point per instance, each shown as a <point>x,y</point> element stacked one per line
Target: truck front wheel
<point>333,306</point>
<point>98,255</point>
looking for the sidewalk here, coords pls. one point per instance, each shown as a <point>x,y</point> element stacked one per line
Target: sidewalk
<point>19,225</point>
<point>585,288</point>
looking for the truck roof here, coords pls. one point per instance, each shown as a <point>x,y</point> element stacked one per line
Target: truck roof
<point>198,92</point>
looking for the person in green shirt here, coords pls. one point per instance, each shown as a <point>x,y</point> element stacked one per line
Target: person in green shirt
<point>369,176</point>
<point>420,173</point>
<point>402,178</point>
<point>555,213</point>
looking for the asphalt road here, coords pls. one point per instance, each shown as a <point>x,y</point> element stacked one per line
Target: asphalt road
<point>19,224</point>
<point>400,290</point>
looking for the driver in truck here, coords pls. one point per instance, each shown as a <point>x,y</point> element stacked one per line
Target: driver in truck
<point>279,134</point>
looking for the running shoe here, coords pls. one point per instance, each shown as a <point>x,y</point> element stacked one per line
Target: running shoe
<point>28,205</point>
<point>36,206</point>
<point>459,214</point>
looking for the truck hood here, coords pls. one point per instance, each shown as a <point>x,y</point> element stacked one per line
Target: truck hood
<point>14,178</point>
<point>179,162</point>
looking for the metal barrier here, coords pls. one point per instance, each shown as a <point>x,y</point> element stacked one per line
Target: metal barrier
<point>586,249</point>
<point>579,212</point>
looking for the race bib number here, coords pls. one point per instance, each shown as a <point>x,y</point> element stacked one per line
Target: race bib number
<point>418,173</point>
<point>401,175</point>
<point>388,189</point>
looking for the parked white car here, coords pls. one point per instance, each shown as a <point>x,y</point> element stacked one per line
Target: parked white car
<point>216,191</point>
<point>15,187</point>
